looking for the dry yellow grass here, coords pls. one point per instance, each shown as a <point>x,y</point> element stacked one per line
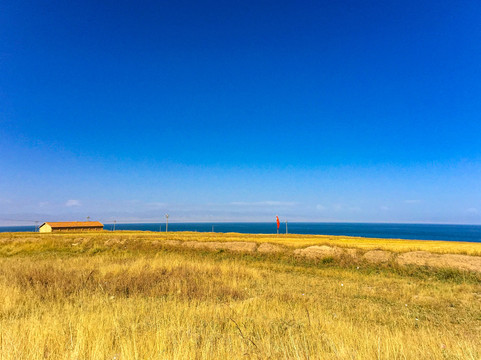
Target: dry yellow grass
<point>291,240</point>
<point>110,296</point>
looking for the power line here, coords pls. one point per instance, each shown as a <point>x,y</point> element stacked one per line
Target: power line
<point>22,220</point>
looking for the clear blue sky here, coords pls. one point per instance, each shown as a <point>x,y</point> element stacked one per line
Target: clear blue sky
<point>363,111</point>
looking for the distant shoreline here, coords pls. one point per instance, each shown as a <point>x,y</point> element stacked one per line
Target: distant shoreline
<point>460,233</point>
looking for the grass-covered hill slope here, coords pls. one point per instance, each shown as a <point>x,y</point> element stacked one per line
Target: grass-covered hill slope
<point>150,296</point>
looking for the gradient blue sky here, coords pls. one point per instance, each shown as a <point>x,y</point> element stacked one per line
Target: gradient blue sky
<point>365,111</point>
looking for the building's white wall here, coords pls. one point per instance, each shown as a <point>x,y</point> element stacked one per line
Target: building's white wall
<point>45,228</point>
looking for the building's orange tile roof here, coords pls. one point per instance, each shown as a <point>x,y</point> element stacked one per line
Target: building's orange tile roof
<point>74,224</point>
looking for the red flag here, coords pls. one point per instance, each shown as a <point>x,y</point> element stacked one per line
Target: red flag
<point>278,222</point>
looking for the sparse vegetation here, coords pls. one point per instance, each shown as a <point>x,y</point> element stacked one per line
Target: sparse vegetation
<point>127,295</point>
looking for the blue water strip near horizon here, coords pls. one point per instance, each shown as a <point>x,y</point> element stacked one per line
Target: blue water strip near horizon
<point>468,233</point>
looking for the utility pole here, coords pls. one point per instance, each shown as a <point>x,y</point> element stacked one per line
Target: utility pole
<point>114,224</point>
<point>160,228</point>
<point>166,222</point>
<point>286,227</point>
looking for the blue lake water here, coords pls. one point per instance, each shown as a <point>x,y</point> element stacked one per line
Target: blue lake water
<point>470,233</point>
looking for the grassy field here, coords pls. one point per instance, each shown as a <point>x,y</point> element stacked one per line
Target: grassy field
<point>60,240</point>
<point>125,295</point>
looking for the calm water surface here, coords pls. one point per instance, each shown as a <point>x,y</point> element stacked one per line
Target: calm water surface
<point>471,233</point>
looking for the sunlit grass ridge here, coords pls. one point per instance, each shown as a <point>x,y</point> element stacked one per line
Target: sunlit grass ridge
<point>31,240</point>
